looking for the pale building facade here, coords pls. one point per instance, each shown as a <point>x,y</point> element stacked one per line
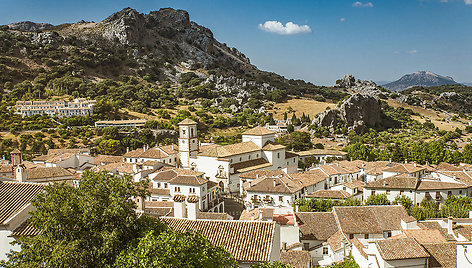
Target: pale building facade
<point>78,107</point>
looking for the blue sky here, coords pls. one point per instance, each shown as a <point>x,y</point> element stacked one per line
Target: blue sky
<point>373,40</point>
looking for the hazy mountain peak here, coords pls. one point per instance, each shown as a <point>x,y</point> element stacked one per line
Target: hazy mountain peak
<point>420,78</point>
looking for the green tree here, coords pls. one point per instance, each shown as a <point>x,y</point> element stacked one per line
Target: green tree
<point>377,200</point>
<point>109,147</point>
<point>405,201</point>
<point>81,227</point>
<point>271,265</point>
<point>172,249</point>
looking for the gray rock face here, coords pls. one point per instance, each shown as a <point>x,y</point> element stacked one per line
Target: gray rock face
<point>167,26</point>
<point>29,26</point>
<point>359,112</point>
<point>349,82</point>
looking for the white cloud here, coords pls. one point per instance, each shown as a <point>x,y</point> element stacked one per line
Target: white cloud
<point>468,2</point>
<point>368,4</point>
<point>413,51</point>
<point>289,28</point>
<point>342,19</point>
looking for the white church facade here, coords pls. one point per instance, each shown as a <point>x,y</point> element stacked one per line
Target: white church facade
<point>224,164</point>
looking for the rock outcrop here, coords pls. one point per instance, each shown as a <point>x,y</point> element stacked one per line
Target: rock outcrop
<point>29,26</point>
<point>359,112</point>
<point>354,85</point>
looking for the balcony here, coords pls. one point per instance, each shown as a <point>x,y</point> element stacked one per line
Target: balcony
<point>215,202</point>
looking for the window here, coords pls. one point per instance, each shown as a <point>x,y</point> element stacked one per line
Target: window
<point>257,155</point>
<point>401,192</point>
<point>249,157</point>
<point>191,132</point>
<point>165,185</point>
<point>193,141</point>
<point>344,188</point>
<point>387,234</point>
<point>158,185</point>
<point>366,236</point>
<point>325,250</point>
<point>177,189</point>
<point>438,195</point>
<point>183,131</point>
<point>281,198</point>
<point>192,190</point>
<point>427,196</point>
<point>373,192</point>
<point>449,193</point>
<point>240,159</point>
<point>387,192</point>
<point>278,155</point>
<point>460,191</point>
<point>351,236</point>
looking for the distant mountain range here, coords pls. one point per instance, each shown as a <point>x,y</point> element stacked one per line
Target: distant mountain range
<point>422,78</point>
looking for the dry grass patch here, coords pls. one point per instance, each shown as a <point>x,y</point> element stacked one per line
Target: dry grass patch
<point>308,106</point>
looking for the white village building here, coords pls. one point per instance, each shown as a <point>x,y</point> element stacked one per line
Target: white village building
<point>225,163</point>
<point>78,107</point>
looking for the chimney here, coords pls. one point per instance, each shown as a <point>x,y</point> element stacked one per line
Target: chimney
<point>20,173</point>
<point>144,147</point>
<point>296,208</point>
<point>140,204</point>
<point>172,147</point>
<point>470,213</point>
<point>252,216</point>
<point>284,246</point>
<point>414,164</point>
<point>257,176</point>
<point>275,183</point>
<point>127,149</point>
<point>390,160</point>
<point>193,208</point>
<point>449,226</point>
<point>180,208</point>
<point>260,214</point>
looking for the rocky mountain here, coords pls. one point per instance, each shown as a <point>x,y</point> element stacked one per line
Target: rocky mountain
<point>29,26</point>
<point>156,47</point>
<point>422,78</point>
<point>359,112</point>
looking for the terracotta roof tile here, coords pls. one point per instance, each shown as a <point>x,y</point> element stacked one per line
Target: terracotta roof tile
<point>14,196</point>
<point>214,216</point>
<point>296,258</point>
<point>316,225</point>
<point>395,182</point>
<point>406,168</point>
<point>258,131</point>
<point>187,121</point>
<point>25,229</point>
<point>426,235</point>
<point>443,255</point>
<point>246,241</point>
<point>370,219</point>
<point>106,159</point>
<point>188,180</point>
<point>402,248</point>
<point>283,184</point>
<point>447,167</point>
<point>46,173</point>
<point>329,194</point>
<point>321,152</point>
<point>250,165</point>
<point>231,149</point>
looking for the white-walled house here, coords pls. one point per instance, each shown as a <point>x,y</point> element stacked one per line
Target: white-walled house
<point>407,169</point>
<point>414,188</point>
<point>167,154</point>
<point>66,160</point>
<point>168,182</point>
<point>329,236</point>
<point>275,188</point>
<point>224,164</point>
